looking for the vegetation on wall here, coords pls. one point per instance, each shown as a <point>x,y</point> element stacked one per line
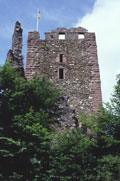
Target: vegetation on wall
<point>30,149</point>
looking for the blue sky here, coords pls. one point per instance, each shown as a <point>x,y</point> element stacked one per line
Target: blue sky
<point>99,16</point>
<point>63,13</point>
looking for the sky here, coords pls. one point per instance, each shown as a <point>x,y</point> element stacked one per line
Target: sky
<point>99,16</point>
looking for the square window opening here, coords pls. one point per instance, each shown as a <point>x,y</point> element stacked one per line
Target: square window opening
<point>81,36</point>
<point>61,36</point>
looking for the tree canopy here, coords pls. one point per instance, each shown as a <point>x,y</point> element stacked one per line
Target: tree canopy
<point>30,149</point>
<point>27,111</point>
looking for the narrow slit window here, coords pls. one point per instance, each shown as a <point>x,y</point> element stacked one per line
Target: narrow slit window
<point>61,58</point>
<point>61,73</point>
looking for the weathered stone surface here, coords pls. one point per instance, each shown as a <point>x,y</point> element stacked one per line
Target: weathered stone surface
<point>68,117</point>
<point>15,54</point>
<point>68,58</point>
<point>81,82</point>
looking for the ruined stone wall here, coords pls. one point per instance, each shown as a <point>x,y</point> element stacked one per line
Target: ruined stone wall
<point>15,54</point>
<point>81,78</point>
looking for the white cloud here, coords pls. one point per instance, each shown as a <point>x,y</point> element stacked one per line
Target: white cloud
<point>104,20</point>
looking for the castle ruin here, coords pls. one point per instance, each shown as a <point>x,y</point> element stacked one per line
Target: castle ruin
<point>68,58</point>
<point>15,54</point>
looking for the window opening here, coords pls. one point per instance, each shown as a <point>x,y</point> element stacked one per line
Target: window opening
<point>61,73</point>
<point>61,36</point>
<point>51,36</point>
<point>81,36</point>
<point>61,58</point>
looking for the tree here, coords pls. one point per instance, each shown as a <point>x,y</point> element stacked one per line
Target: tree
<point>73,157</point>
<point>114,108</point>
<point>27,111</point>
<point>31,150</point>
<point>91,152</point>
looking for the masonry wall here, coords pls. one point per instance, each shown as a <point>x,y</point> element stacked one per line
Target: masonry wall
<point>80,67</point>
<point>15,54</point>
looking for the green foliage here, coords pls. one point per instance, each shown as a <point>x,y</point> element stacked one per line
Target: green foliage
<point>26,115</point>
<point>74,157</point>
<point>93,151</point>
<point>31,150</point>
<point>116,97</point>
<point>87,153</point>
<point>114,111</point>
<point>108,168</point>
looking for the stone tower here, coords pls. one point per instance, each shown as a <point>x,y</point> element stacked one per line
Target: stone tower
<point>68,58</point>
<point>15,54</point>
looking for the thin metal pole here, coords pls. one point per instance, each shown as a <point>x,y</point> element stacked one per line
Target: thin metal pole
<point>37,23</point>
